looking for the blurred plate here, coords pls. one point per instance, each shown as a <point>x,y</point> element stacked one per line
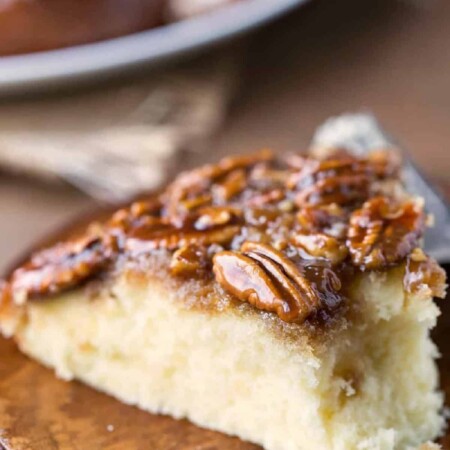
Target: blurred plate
<point>40,70</point>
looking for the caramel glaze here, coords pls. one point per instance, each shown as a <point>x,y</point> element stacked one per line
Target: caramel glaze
<point>29,26</point>
<point>284,235</point>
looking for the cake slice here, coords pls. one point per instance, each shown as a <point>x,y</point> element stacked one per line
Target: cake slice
<point>283,300</point>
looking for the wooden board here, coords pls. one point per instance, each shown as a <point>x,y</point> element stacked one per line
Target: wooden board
<point>39,412</point>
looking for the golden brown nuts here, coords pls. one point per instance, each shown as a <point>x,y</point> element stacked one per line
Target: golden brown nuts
<point>341,181</point>
<point>214,216</point>
<point>260,210</point>
<point>319,245</point>
<point>424,276</point>
<point>189,260</point>
<point>381,234</point>
<point>145,207</point>
<point>233,184</point>
<point>262,199</point>
<point>266,279</point>
<point>61,267</point>
<point>329,219</point>
<point>193,189</point>
<point>144,240</point>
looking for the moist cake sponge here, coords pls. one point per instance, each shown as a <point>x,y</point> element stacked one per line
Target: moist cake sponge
<point>300,321</point>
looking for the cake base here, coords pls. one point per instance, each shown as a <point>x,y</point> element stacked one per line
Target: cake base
<point>369,385</point>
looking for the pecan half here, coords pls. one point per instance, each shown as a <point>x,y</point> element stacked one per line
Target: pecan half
<point>381,234</point>
<point>61,267</point>
<point>266,279</point>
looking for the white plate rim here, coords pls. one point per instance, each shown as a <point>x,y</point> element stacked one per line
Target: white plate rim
<point>36,70</point>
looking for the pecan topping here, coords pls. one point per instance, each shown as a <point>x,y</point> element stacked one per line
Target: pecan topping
<point>279,233</point>
<point>381,234</point>
<point>266,279</point>
<point>61,267</point>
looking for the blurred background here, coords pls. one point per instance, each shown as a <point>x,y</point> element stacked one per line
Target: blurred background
<point>97,124</point>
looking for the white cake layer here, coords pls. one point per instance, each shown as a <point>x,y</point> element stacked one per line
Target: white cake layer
<point>371,387</point>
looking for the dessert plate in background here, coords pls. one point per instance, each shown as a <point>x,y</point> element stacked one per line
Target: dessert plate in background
<point>40,70</point>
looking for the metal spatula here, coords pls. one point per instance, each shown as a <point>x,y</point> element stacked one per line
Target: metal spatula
<point>360,133</point>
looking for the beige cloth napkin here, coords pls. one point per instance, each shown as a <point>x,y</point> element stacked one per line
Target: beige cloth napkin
<point>120,140</point>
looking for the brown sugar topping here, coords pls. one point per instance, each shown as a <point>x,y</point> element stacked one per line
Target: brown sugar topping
<point>279,233</point>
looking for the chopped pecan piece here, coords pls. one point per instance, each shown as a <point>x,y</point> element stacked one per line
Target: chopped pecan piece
<point>424,276</point>
<point>144,240</point>
<point>319,245</point>
<point>266,279</point>
<point>264,175</point>
<point>214,216</point>
<point>381,234</point>
<point>191,203</point>
<point>136,215</point>
<point>145,207</point>
<point>233,184</point>
<point>342,189</point>
<point>189,260</point>
<point>189,187</point>
<point>264,198</point>
<point>245,161</point>
<point>61,267</point>
<point>343,180</point>
<point>340,181</point>
<point>386,162</point>
<point>329,219</point>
